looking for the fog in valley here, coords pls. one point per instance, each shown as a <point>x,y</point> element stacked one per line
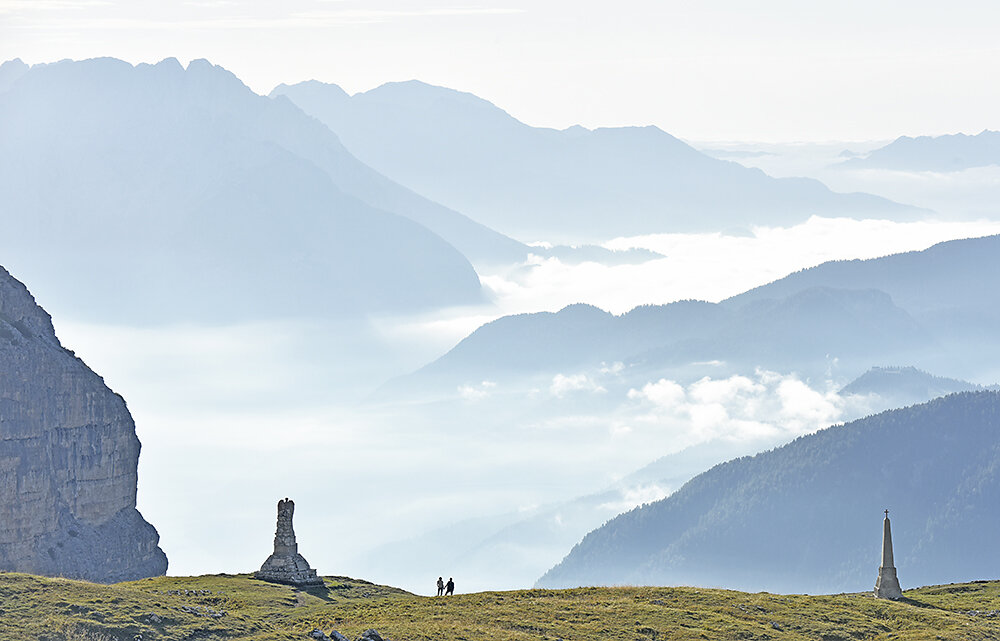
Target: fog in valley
<point>391,490</point>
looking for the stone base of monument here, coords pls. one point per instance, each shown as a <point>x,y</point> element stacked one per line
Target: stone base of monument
<point>887,585</point>
<point>291,570</point>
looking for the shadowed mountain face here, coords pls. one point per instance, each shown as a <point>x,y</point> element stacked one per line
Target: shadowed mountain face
<point>571,185</point>
<point>68,458</point>
<point>806,516</point>
<point>157,193</point>
<point>953,152</point>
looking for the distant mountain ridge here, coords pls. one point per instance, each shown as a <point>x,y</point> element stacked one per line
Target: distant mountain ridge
<point>568,186</point>
<point>10,71</point>
<point>940,285</point>
<point>935,307</point>
<point>806,516</point>
<point>799,333</point>
<point>953,152</point>
<point>906,383</point>
<point>184,180</point>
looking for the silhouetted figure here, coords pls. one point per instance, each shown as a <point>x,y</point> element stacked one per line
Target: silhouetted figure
<point>440,586</point>
<point>450,588</point>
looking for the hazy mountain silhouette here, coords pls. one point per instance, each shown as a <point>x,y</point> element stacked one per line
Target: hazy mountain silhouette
<point>807,516</point>
<point>10,71</point>
<point>158,192</point>
<point>947,287</point>
<point>802,332</point>
<point>935,307</point>
<point>953,152</point>
<point>900,386</point>
<point>574,184</point>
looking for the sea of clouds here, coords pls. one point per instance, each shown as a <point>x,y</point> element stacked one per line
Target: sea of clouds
<point>232,418</point>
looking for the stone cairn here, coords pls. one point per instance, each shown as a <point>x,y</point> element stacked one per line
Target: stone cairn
<point>286,565</point>
<point>887,585</point>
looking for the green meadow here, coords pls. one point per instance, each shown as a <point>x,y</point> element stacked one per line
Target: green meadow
<point>238,607</point>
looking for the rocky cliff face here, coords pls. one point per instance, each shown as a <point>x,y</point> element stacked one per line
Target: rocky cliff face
<point>68,457</point>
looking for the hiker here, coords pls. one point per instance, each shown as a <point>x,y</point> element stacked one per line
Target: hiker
<point>440,586</point>
<point>450,588</point>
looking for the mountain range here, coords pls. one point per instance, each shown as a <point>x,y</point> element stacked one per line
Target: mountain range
<point>933,307</point>
<point>807,516</point>
<point>162,193</point>
<point>944,287</point>
<point>573,185</point>
<point>803,332</point>
<point>953,152</point>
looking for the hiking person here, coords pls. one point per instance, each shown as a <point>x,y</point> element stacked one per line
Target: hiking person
<point>450,588</point>
<point>440,586</point>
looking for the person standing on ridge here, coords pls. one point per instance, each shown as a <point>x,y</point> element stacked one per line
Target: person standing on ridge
<point>450,588</point>
<point>440,586</point>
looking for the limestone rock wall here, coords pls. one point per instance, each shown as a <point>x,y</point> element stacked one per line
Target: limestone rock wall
<point>68,458</point>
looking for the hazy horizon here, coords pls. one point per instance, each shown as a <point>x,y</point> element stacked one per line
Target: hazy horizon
<point>779,71</point>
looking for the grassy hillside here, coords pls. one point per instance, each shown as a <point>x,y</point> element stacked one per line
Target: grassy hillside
<point>47,609</point>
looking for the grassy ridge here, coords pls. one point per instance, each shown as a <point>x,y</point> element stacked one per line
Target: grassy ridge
<point>48,609</point>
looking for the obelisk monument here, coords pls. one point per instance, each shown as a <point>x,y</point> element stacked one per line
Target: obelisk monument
<point>286,565</point>
<point>887,585</point>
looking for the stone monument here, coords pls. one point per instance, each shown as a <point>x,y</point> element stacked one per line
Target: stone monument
<point>286,565</point>
<point>887,585</point>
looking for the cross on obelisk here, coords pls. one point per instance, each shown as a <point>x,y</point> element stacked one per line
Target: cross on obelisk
<point>887,585</point>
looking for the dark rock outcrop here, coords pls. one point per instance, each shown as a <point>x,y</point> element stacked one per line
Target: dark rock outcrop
<point>68,458</point>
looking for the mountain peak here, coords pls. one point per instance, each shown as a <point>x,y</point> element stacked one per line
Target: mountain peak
<point>583,309</point>
<point>10,71</point>
<point>170,63</point>
<point>420,95</point>
<point>331,90</point>
<point>947,153</point>
<point>203,69</point>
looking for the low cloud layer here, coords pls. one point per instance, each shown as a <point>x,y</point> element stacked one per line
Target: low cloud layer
<point>766,405</point>
<point>701,266</point>
<point>563,385</point>
<point>268,410</point>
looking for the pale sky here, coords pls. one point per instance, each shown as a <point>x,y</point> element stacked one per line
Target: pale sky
<point>772,70</point>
